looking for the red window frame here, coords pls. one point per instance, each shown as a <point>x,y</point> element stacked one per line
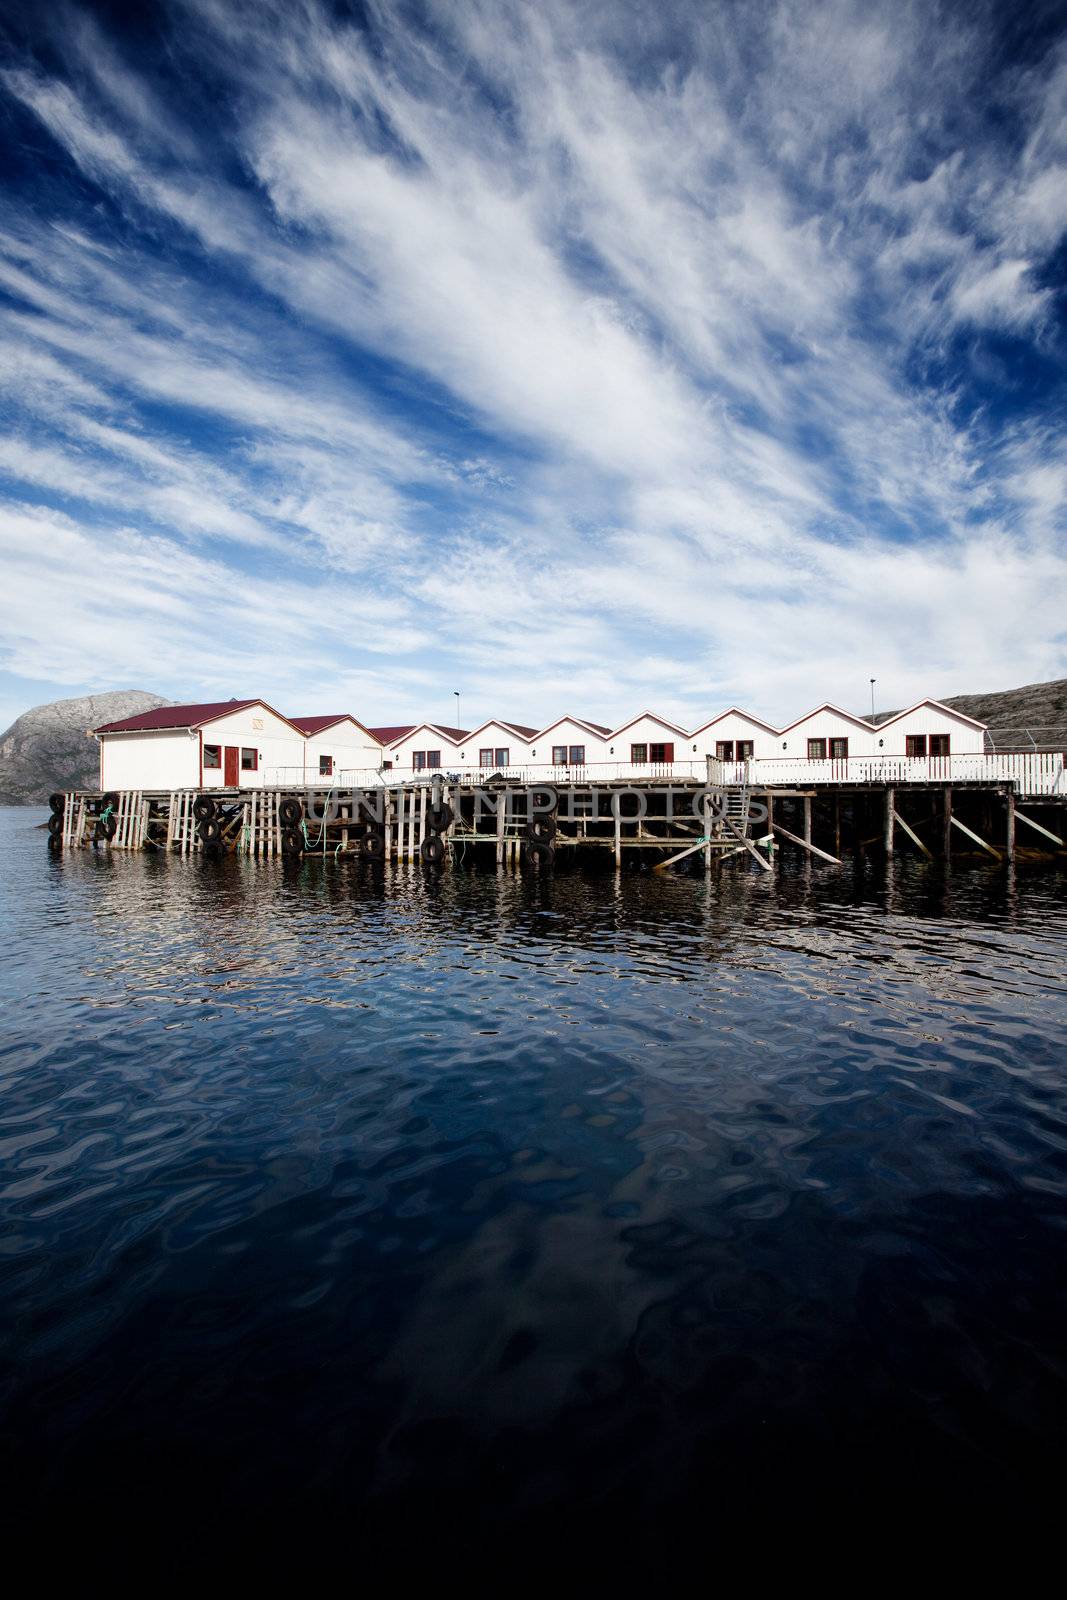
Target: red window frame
<point>724,749</point>
<point>577,755</point>
<point>485,758</point>
<point>559,755</point>
<point>938,744</point>
<point>212,757</point>
<point>249,759</point>
<point>744,750</point>
<point>915,745</point>
<point>639,754</point>
<point>816,749</point>
<point>663,753</point>
<point>838,749</point>
<point>326,766</point>
<point>503,756</point>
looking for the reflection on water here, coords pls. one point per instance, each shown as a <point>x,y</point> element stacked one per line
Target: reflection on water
<point>575,1202</point>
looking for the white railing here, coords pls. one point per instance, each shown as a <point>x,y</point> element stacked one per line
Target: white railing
<point>1040,773</point>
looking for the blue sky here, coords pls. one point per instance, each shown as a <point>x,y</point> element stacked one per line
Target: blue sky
<point>574,356</point>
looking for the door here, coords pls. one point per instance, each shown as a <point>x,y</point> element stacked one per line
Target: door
<point>232,758</point>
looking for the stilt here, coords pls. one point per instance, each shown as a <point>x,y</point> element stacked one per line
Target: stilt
<point>948,822</point>
<point>618,838</point>
<point>913,835</point>
<point>837,825</point>
<point>501,810</point>
<point>807,821</point>
<point>1010,834</point>
<point>956,823</point>
<point>889,815</point>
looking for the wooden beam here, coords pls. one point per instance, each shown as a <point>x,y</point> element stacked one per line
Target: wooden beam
<point>889,815</point>
<point>749,846</point>
<point>1030,823</point>
<point>962,826</point>
<point>690,851</point>
<point>806,844</point>
<point>913,835</point>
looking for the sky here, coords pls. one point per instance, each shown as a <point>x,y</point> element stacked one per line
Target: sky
<point>574,357</point>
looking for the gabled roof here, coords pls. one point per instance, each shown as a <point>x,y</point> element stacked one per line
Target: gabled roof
<point>859,722</point>
<point>734,711</point>
<point>392,734</point>
<point>519,729</point>
<point>178,717</point>
<point>453,735</point>
<point>938,705</point>
<point>654,716</point>
<point>313,725</point>
<point>595,728</point>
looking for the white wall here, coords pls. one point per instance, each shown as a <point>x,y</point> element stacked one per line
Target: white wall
<point>824,724</point>
<point>569,732</point>
<point>280,748</point>
<point>734,725</point>
<point>963,738</point>
<point>400,752</point>
<point>164,759</point>
<point>352,748</point>
<point>649,729</point>
<point>494,736</point>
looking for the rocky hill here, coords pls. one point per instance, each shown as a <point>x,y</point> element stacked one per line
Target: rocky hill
<point>46,748</point>
<point>1017,718</point>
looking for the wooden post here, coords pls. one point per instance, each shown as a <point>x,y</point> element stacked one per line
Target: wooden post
<point>387,812</point>
<point>807,819</point>
<point>707,832</point>
<point>837,824</point>
<point>618,838</point>
<point>947,796</point>
<point>889,816</point>
<point>1010,841</point>
<point>501,811</point>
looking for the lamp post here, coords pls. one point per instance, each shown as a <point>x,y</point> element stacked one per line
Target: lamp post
<point>873,682</point>
<point>456,694</point>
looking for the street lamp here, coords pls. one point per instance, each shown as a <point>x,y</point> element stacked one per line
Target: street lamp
<point>456,694</point>
<point>873,682</point>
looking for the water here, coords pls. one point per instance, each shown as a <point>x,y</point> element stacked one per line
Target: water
<point>465,1212</point>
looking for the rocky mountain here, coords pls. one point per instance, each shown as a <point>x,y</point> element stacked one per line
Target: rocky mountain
<point>1036,714</point>
<point>47,748</point>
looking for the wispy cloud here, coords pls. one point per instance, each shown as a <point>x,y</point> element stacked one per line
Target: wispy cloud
<point>561,353</point>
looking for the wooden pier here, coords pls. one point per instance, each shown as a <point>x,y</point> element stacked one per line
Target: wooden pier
<point>663,823</point>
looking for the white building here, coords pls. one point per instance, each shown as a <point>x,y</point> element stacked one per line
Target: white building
<point>336,747</point>
<point>226,744</point>
<point>248,744</point>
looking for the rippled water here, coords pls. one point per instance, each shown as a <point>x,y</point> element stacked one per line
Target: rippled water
<point>473,1208</point>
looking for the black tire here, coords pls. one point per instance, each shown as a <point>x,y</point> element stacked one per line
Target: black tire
<point>541,791</point>
<point>209,831</point>
<point>55,823</point>
<point>540,850</point>
<point>106,828</point>
<point>204,808</point>
<point>541,830</point>
<point>292,843</point>
<point>432,849</point>
<point>55,842</point>
<point>374,846</point>
<point>440,817</point>
<point>290,812</point>
<point>57,802</point>
<point>109,801</point>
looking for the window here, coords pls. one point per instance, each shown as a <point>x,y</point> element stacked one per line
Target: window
<point>387,766</point>
<point>915,744</point>
<point>661,752</point>
<point>577,755</point>
<point>485,758</point>
<point>212,756</point>
<point>428,758</point>
<point>838,749</point>
<point>249,760</point>
<point>816,749</point>
<point>418,759</point>
<point>503,758</point>
<point>638,754</point>
<point>724,749</point>
<point>744,749</point>
<point>939,744</point>
<point>326,766</point>
<point>433,758</point>
<point>559,755</point>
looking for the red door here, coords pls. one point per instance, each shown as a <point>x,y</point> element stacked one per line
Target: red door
<point>232,759</point>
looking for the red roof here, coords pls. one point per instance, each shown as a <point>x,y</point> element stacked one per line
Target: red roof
<point>176,716</point>
<point>455,734</point>
<point>313,725</point>
<point>391,735</point>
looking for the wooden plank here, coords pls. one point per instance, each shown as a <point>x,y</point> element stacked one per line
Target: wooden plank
<point>806,844</point>
<point>962,826</point>
<point>913,835</point>
<point>1030,823</point>
<point>890,813</point>
<point>692,849</point>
